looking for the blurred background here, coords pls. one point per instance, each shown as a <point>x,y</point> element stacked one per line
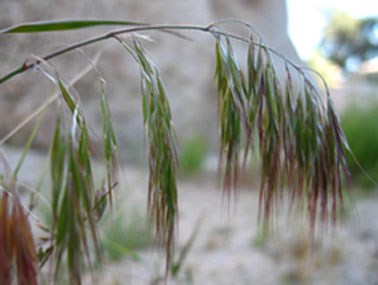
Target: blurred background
<point>337,38</point>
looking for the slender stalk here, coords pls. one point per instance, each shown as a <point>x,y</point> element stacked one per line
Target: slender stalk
<point>49,101</point>
<point>162,27</point>
<point>12,74</point>
<point>300,69</point>
<point>26,66</point>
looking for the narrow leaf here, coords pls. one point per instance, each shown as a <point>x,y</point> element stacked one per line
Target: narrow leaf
<point>55,26</point>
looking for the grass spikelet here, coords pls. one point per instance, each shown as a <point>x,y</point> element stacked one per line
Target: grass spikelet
<point>74,223</point>
<point>6,241</point>
<point>24,247</point>
<point>74,200</point>
<point>110,148</point>
<point>300,142</point>
<point>231,107</point>
<point>162,154</point>
<point>18,258</point>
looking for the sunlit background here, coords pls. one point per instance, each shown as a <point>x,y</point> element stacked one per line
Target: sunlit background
<point>308,18</point>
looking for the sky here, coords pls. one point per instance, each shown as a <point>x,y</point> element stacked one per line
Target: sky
<point>307,18</point>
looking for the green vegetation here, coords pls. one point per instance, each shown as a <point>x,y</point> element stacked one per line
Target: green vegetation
<point>125,234</point>
<point>360,126</point>
<point>349,41</point>
<point>192,155</point>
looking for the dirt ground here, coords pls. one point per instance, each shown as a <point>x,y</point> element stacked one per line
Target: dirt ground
<point>229,248</point>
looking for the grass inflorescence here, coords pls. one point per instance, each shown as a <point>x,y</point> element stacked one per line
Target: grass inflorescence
<point>294,131</point>
<point>163,160</point>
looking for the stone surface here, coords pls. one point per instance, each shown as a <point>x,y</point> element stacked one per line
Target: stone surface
<point>186,66</point>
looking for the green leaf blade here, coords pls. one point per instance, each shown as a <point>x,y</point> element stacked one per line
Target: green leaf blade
<point>65,25</point>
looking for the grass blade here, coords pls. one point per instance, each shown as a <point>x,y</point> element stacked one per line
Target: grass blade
<point>67,25</point>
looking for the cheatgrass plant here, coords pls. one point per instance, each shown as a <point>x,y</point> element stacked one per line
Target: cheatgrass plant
<point>293,130</point>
